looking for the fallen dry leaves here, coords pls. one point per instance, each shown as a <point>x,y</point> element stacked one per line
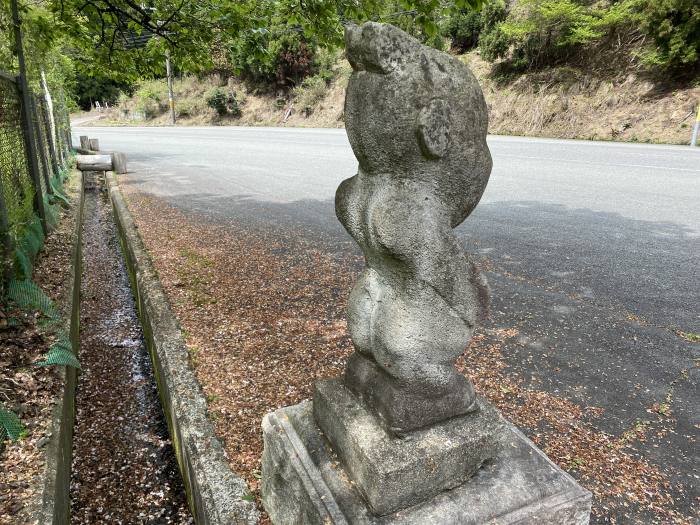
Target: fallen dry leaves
<point>30,391</point>
<point>124,468</point>
<point>263,313</point>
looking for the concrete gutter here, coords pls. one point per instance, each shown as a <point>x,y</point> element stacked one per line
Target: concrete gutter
<point>55,500</point>
<point>215,494</point>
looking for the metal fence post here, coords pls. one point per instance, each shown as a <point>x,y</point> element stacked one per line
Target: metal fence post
<point>5,243</point>
<point>30,145</point>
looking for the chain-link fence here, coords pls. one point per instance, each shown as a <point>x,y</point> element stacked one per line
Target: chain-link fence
<point>34,153</point>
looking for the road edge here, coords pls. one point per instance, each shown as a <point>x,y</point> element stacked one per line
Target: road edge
<point>215,494</point>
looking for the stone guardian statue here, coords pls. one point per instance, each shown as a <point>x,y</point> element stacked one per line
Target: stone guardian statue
<point>402,438</point>
<point>416,120</point>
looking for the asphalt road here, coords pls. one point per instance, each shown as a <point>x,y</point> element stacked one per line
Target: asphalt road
<point>592,251</point>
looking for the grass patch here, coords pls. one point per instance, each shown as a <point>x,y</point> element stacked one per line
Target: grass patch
<point>689,336</point>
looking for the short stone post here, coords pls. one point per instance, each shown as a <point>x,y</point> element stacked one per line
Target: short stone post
<point>119,163</point>
<point>94,144</point>
<point>84,142</point>
<point>403,437</point>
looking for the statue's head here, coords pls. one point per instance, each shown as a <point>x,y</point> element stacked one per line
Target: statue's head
<point>417,113</point>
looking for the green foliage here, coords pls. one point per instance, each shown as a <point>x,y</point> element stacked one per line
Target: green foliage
<point>88,47</point>
<point>310,92</point>
<point>465,27</point>
<point>539,32</point>
<point>58,196</point>
<point>286,39</point>
<point>96,87</point>
<point>151,98</point>
<point>186,108</point>
<point>223,101</point>
<point>675,27</point>
<point>101,47</point>
<point>28,242</point>
<point>10,425</point>
<point>264,57</point>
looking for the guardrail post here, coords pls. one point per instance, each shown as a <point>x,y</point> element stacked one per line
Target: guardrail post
<point>696,129</point>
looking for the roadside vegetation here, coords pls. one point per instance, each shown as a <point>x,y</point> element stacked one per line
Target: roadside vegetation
<point>606,69</point>
<point>33,335</point>
<point>611,70</point>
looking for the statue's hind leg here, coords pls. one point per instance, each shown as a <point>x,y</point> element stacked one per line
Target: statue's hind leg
<point>409,374</point>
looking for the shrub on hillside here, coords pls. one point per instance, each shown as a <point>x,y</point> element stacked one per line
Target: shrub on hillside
<point>310,92</point>
<point>295,60</point>
<point>147,107</point>
<point>675,27</point>
<point>186,107</point>
<point>223,101</point>
<point>285,60</point>
<point>465,27</point>
<point>537,33</point>
<point>541,32</point>
<point>151,98</point>
<point>156,90</point>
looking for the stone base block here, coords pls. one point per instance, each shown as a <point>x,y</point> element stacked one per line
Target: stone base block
<point>393,473</point>
<point>304,483</point>
<point>404,409</point>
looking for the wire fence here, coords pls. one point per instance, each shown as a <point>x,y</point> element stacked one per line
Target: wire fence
<point>34,154</point>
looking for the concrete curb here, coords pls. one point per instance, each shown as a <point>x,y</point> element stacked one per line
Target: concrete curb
<point>55,500</point>
<point>215,494</point>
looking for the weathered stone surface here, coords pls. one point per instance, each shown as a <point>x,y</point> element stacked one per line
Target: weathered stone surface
<point>392,473</point>
<point>303,482</point>
<point>416,120</point>
<point>119,162</point>
<point>94,162</point>
<point>403,437</point>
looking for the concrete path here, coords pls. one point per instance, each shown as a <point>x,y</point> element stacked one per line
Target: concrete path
<point>592,251</point>
<point>84,118</point>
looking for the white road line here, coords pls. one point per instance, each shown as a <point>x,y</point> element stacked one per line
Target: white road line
<point>574,161</point>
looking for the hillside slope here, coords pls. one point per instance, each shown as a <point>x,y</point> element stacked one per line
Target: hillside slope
<point>559,102</point>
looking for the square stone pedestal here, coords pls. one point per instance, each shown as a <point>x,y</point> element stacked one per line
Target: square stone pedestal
<point>391,472</point>
<point>304,483</point>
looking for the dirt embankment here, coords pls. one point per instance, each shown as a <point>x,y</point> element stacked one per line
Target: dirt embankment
<point>559,102</point>
<point>570,103</point>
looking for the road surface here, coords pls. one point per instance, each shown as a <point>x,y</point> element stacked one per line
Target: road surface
<point>592,250</point>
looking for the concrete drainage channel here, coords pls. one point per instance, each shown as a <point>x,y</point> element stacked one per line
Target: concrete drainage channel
<point>124,468</point>
<point>135,460</point>
<point>216,495</point>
